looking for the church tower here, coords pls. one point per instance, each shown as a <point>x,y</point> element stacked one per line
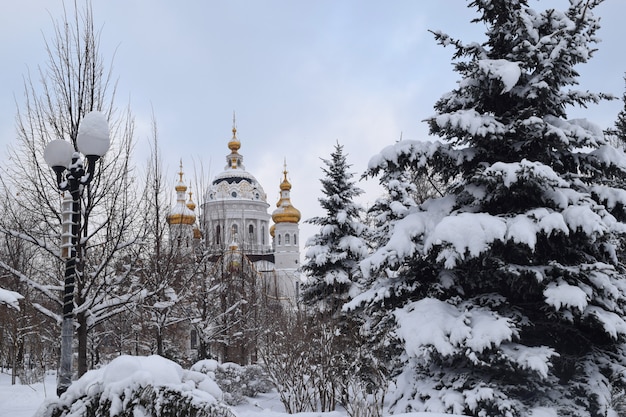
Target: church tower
<point>235,207</point>
<point>285,231</point>
<point>183,231</point>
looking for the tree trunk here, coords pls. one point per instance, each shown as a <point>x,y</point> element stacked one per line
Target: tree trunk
<point>65,368</point>
<point>159,340</point>
<point>81,334</point>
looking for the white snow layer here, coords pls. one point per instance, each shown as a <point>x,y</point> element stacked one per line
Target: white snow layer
<point>565,295</point>
<point>431,322</point>
<point>125,373</point>
<point>506,71</point>
<point>458,235</point>
<point>11,298</point>
<point>448,329</point>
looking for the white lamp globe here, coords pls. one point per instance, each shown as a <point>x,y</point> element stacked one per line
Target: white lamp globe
<point>93,135</point>
<point>58,153</point>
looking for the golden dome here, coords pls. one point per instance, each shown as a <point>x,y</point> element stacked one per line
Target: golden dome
<point>234,143</point>
<point>286,212</point>
<point>181,185</point>
<point>181,213</point>
<point>197,234</point>
<point>272,230</point>
<point>285,185</point>
<point>190,204</point>
<point>179,218</point>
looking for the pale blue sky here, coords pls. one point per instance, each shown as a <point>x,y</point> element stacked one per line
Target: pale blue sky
<point>300,75</point>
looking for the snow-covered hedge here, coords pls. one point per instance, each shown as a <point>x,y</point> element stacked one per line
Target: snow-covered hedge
<point>132,386</point>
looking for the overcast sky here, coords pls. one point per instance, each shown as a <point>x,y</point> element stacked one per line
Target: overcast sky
<point>300,75</point>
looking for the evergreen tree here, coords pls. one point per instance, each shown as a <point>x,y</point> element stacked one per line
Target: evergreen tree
<point>617,134</point>
<point>506,293</point>
<point>334,252</point>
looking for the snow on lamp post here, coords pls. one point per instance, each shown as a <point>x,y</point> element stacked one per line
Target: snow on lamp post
<point>69,166</point>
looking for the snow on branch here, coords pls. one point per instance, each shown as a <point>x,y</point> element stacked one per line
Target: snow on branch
<point>613,324</point>
<point>10,298</point>
<point>47,312</point>
<point>610,156</point>
<point>417,154</point>
<point>609,196</point>
<point>506,71</point>
<point>449,330</point>
<point>470,233</point>
<point>48,290</point>
<point>471,122</point>
<point>514,172</point>
<point>564,295</point>
<point>531,358</point>
<point>577,133</point>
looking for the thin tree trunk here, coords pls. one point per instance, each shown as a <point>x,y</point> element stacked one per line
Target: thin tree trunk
<point>159,340</point>
<point>81,334</point>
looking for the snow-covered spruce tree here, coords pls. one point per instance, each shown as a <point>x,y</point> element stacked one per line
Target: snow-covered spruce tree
<point>334,253</point>
<point>617,134</point>
<point>507,292</point>
<point>343,370</point>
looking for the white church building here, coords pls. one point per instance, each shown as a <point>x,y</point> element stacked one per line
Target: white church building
<point>234,218</point>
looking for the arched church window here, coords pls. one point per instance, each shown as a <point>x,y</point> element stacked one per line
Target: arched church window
<point>251,233</point>
<point>287,239</point>
<point>217,234</point>
<point>263,235</point>
<point>279,239</point>
<point>234,230</point>
<point>295,239</point>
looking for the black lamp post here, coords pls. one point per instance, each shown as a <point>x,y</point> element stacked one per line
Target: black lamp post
<point>72,175</point>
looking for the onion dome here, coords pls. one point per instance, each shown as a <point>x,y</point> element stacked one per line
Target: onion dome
<point>286,212</point>
<point>190,204</point>
<point>181,213</point>
<point>235,183</point>
<point>197,234</point>
<point>234,143</point>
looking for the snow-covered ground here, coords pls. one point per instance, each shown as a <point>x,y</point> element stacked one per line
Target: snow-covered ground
<point>24,400</point>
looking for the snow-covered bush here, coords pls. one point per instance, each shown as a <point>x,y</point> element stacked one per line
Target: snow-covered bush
<point>235,381</point>
<point>363,393</point>
<point>289,351</point>
<point>318,364</point>
<point>132,386</point>
<point>618,401</point>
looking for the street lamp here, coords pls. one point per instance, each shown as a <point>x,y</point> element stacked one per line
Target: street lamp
<point>92,141</point>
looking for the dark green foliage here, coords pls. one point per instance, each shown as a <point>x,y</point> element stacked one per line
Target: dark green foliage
<point>515,270</point>
<point>617,134</point>
<point>149,401</point>
<point>334,252</point>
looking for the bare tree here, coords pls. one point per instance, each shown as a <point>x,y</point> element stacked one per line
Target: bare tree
<point>73,82</point>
